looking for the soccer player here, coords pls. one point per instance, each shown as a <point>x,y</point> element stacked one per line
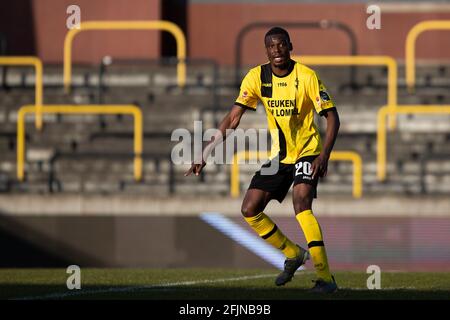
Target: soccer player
<point>290,92</point>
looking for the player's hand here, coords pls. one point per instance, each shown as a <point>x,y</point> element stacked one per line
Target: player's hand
<point>319,166</point>
<point>195,168</point>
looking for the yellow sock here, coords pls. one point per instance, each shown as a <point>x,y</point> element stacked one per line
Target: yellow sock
<point>313,235</point>
<point>269,231</point>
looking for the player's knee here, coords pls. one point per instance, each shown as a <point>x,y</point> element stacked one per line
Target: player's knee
<point>249,209</point>
<point>302,204</point>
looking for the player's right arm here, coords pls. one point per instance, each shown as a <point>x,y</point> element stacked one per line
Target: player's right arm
<point>247,99</point>
<point>230,121</point>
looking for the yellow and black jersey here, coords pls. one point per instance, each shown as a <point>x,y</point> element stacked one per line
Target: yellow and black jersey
<point>289,102</point>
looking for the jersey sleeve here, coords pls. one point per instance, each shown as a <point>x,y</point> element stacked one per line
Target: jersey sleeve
<point>248,97</point>
<point>318,94</point>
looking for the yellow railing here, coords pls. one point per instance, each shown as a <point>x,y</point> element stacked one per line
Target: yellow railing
<point>81,109</point>
<point>335,156</point>
<point>381,131</point>
<point>127,25</point>
<point>36,62</point>
<point>242,155</point>
<point>356,160</point>
<point>389,62</point>
<point>411,44</point>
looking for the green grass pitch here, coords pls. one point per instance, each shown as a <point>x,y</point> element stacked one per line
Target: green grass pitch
<point>189,284</point>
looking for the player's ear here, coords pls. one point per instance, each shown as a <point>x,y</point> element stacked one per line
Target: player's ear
<point>290,46</point>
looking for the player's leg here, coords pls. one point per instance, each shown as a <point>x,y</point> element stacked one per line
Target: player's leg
<point>255,201</point>
<point>303,195</point>
<point>263,188</point>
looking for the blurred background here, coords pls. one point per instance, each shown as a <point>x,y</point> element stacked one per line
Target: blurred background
<point>83,196</point>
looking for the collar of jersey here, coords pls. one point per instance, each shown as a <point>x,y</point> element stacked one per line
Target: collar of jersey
<point>291,67</point>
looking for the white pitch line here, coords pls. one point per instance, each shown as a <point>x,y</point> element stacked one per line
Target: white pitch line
<point>375,290</point>
<point>137,288</point>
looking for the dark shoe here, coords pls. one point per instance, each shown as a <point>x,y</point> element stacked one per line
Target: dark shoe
<point>290,266</point>
<point>324,287</point>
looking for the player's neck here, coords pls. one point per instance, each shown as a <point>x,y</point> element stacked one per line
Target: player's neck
<point>282,71</point>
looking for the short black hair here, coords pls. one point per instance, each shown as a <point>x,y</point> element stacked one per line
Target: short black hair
<point>277,30</point>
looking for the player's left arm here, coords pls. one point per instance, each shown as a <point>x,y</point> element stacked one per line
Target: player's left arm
<point>324,106</point>
<point>320,164</point>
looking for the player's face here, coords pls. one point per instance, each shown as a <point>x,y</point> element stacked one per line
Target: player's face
<point>277,47</point>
